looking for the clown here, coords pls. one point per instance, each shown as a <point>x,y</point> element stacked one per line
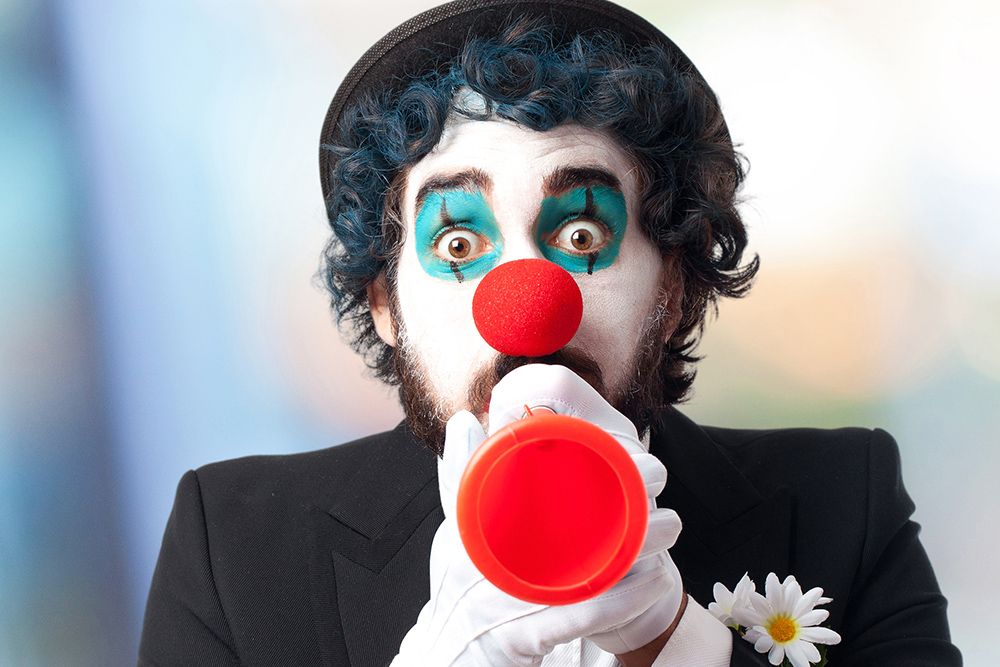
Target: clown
<point>573,132</point>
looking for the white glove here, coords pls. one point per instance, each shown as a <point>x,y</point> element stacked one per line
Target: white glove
<point>469,621</point>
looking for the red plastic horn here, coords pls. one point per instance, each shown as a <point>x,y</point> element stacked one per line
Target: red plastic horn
<point>551,508</point>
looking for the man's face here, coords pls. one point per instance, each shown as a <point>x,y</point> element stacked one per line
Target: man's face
<point>494,192</point>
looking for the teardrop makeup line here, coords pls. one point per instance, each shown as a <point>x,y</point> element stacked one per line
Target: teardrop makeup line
<point>589,211</point>
<point>446,219</point>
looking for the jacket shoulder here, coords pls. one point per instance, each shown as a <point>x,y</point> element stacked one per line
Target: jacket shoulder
<point>353,449</point>
<point>804,455</point>
<point>846,480</point>
<point>283,484</point>
<point>245,534</point>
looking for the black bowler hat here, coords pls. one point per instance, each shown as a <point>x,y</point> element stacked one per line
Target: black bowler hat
<point>438,34</point>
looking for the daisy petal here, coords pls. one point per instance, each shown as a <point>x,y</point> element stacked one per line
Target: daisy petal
<point>753,613</point>
<point>763,643</point>
<point>744,586</point>
<point>772,588</point>
<point>793,593</point>
<point>746,617</point>
<point>807,602</point>
<point>776,654</point>
<point>784,593</point>
<point>715,610</point>
<point>814,617</point>
<point>819,635</point>
<point>793,652</point>
<point>811,652</point>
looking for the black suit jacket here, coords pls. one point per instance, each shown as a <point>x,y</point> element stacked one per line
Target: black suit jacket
<point>321,558</point>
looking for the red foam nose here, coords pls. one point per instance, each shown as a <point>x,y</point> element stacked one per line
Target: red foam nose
<point>528,307</point>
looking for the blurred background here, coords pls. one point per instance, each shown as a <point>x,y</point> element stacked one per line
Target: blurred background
<point>161,221</point>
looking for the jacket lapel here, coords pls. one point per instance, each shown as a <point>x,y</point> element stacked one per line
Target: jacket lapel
<point>374,537</point>
<point>730,526</point>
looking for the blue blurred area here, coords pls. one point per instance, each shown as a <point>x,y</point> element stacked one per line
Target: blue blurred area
<point>123,361</point>
<point>161,221</point>
<point>60,509</point>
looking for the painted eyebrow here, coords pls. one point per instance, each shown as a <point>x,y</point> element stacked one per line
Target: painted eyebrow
<point>465,179</point>
<point>567,178</point>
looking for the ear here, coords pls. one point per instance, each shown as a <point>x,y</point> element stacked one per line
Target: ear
<point>378,305</point>
<point>673,292</point>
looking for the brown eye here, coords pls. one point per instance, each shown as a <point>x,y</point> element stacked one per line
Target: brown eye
<point>460,245</point>
<point>581,239</point>
<point>581,236</point>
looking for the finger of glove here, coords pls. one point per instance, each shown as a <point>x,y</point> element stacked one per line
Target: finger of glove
<point>463,435</point>
<point>451,570</point>
<point>452,576</point>
<point>653,472</point>
<point>549,626</point>
<point>562,390</point>
<point>456,600</point>
<point>464,603</point>
<point>662,530</point>
<point>414,644</point>
<point>486,651</point>
<point>648,624</point>
<point>483,610</point>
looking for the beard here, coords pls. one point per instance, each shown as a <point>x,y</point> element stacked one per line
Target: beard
<point>639,396</point>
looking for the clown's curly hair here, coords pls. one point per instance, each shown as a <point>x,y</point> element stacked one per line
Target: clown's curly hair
<point>666,117</point>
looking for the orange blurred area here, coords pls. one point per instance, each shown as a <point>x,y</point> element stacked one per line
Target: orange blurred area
<point>853,328</point>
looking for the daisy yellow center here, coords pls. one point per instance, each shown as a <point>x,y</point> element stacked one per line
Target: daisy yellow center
<point>782,629</point>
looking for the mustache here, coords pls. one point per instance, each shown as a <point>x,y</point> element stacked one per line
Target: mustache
<point>574,359</point>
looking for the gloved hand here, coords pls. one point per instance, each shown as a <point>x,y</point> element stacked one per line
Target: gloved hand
<point>468,621</point>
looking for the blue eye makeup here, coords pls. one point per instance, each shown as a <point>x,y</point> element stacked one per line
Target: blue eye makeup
<point>457,237</point>
<point>582,229</point>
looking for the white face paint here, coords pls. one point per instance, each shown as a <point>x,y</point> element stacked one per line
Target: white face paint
<point>436,309</point>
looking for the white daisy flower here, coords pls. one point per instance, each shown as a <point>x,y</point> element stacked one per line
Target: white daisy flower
<point>726,601</point>
<point>783,622</point>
